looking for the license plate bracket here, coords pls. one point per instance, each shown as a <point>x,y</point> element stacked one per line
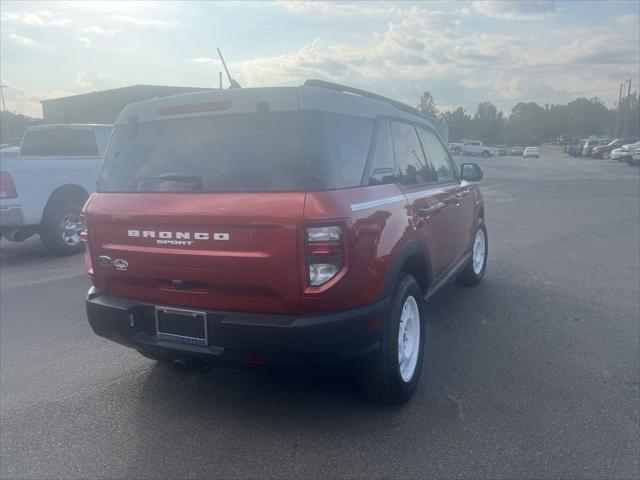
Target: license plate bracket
<point>181,326</point>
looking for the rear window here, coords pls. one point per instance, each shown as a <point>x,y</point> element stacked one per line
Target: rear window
<point>67,142</point>
<point>284,151</point>
<point>220,153</point>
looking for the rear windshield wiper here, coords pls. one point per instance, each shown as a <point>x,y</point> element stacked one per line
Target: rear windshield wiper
<point>195,180</point>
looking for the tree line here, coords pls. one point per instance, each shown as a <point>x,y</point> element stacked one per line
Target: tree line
<point>529,123</point>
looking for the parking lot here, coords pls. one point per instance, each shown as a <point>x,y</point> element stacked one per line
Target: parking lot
<point>534,373</point>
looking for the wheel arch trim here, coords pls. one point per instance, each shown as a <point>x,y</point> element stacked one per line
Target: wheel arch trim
<point>413,248</point>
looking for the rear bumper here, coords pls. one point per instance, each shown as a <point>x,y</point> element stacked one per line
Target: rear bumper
<point>236,337</point>
<point>11,217</point>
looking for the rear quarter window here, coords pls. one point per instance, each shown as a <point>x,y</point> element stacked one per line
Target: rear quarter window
<point>337,148</point>
<point>60,142</point>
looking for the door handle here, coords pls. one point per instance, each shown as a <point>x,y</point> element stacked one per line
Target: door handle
<point>427,212</point>
<point>452,200</point>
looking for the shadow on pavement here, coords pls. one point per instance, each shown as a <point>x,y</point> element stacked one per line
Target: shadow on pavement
<point>30,253</point>
<point>253,418</point>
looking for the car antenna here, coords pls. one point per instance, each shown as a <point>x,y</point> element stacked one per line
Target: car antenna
<point>232,82</point>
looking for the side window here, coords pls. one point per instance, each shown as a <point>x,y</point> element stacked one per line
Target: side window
<point>59,142</point>
<point>412,166</point>
<point>438,156</point>
<point>338,146</point>
<point>382,159</point>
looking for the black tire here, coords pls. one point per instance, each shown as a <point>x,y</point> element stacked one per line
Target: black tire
<point>469,277</point>
<point>457,150</point>
<point>486,154</point>
<point>51,232</point>
<point>380,377</point>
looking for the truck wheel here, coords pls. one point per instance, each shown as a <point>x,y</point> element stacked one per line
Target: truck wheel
<point>61,227</point>
<point>474,271</point>
<point>486,154</point>
<point>457,150</point>
<point>392,375</point>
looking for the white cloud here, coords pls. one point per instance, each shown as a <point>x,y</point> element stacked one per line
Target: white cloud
<point>205,60</point>
<point>631,19</point>
<point>28,102</point>
<point>40,19</point>
<point>421,49</point>
<point>21,39</point>
<point>515,10</point>
<point>32,19</point>
<point>97,80</point>
<point>97,30</point>
<point>396,49</point>
<point>60,22</point>
<point>85,41</point>
<point>143,22</point>
<point>337,9</point>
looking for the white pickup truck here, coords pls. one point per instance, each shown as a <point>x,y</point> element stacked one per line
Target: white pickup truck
<point>472,147</point>
<point>43,189</point>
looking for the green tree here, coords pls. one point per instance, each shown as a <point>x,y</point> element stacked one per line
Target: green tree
<point>427,105</point>
<point>13,124</point>
<point>531,124</point>
<point>488,123</point>
<point>459,123</point>
<point>588,117</point>
<point>525,124</point>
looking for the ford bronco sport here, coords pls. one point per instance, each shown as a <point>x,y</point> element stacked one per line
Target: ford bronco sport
<point>280,225</point>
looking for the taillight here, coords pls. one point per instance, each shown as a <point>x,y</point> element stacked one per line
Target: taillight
<point>325,253</point>
<point>7,187</point>
<point>84,237</point>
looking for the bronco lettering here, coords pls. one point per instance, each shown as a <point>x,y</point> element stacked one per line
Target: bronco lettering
<point>181,238</point>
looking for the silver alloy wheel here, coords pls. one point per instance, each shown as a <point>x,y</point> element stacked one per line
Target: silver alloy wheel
<point>479,251</point>
<point>409,338</point>
<point>70,227</point>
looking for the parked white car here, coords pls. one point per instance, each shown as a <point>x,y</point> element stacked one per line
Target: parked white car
<point>625,152</point>
<point>44,188</point>
<point>530,152</point>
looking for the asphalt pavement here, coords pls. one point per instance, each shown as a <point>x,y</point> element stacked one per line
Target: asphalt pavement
<point>532,374</point>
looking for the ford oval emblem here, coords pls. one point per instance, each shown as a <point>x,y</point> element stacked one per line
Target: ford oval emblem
<point>120,264</point>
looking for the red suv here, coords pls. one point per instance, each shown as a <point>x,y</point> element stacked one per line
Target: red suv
<point>280,225</point>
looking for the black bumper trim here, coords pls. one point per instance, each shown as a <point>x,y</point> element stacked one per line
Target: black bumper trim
<point>341,334</point>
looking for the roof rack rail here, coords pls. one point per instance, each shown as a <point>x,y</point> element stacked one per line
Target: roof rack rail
<point>344,88</point>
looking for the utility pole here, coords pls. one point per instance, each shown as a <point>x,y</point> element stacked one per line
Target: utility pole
<point>220,79</point>
<point>628,105</point>
<point>617,132</point>
<point>4,110</point>
<point>2,87</point>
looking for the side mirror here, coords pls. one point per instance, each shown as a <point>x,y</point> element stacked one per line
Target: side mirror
<point>471,172</point>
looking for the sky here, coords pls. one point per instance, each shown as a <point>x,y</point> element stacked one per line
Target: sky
<point>463,52</point>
